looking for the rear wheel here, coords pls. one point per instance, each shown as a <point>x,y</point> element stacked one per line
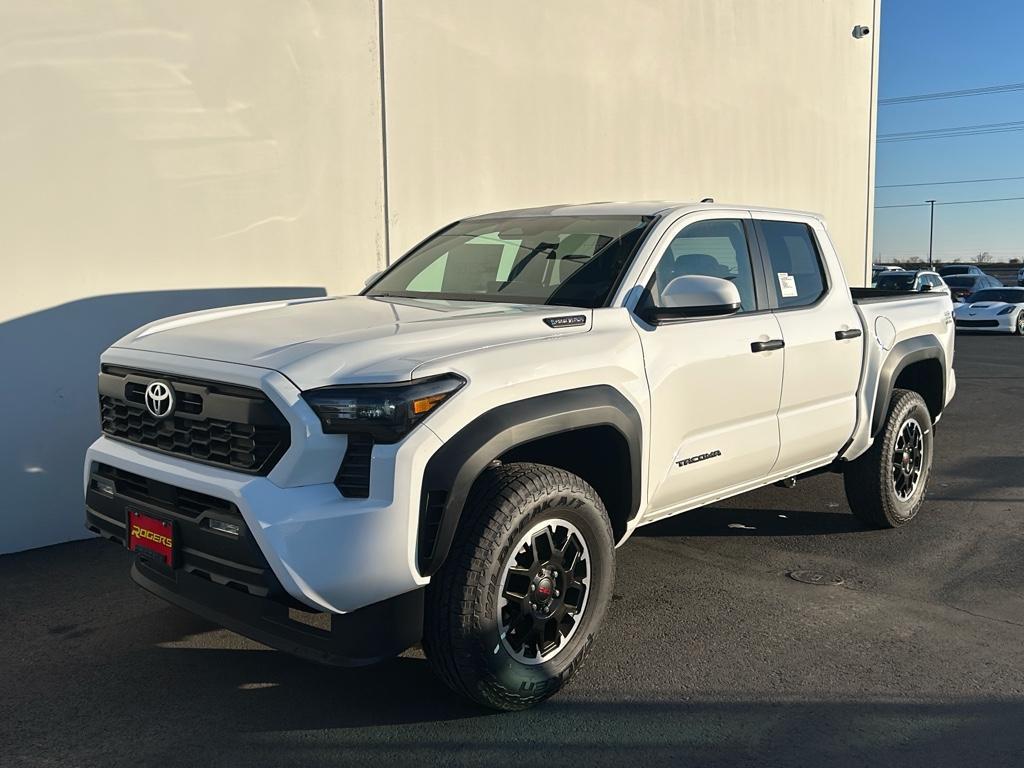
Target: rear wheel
<point>886,485</point>
<point>512,614</point>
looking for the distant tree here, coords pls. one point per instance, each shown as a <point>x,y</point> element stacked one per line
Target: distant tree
<point>983,258</point>
<point>913,260</point>
<point>1014,260</point>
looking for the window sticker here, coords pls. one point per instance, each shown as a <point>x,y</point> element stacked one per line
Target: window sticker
<point>787,284</point>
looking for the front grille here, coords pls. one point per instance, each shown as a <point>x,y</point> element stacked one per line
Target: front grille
<point>233,561</point>
<point>353,478</point>
<point>191,504</point>
<point>214,423</point>
<point>977,323</point>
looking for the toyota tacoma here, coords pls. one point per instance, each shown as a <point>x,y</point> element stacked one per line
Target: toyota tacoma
<point>452,456</point>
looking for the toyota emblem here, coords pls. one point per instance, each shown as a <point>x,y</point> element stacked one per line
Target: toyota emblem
<point>160,399</point>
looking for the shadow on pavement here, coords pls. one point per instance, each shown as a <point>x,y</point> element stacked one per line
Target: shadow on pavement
<point>729,521</point>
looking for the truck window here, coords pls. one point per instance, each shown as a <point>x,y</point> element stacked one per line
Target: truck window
<point>796,270</point>
<point>565,260</point>
<point>716,248</point>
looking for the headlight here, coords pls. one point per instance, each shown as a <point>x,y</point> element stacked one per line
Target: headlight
<point>1005,310</point>
<point>388,412</point>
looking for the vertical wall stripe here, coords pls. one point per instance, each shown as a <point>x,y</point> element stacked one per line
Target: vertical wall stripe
<point>872,131</point>
<point>384,133</point>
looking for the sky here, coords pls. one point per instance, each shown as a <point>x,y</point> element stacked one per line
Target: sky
<point>929,46</point>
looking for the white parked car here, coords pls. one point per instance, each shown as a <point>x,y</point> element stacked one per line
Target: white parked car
<point>454,455</point>
<point>998,310</point>
<point>910,280</point>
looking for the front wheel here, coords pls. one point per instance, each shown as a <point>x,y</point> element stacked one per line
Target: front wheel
<point>513,612</point>
<point>1020,323</point>
<point>886,485</point>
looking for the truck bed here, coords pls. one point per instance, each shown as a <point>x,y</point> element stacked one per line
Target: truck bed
<point>872,295</point>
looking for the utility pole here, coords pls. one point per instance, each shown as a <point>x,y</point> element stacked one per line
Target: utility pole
<point>931,234</point>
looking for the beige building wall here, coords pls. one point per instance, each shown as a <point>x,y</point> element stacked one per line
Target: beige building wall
<point>765,102</point>
<point>163,157</point>
<point>157,158</point>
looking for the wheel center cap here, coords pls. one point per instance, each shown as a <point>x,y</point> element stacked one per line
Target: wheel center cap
<point>545,590</point>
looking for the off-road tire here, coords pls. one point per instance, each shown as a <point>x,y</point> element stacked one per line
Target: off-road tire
<point>869,480</point>
<point>462,637</point>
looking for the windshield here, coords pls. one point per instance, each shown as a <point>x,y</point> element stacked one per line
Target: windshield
<point>572,261</point>
<point>961,270</point>
<point>895,282</point>
<point>960,282</point>
<point>1009,295</point>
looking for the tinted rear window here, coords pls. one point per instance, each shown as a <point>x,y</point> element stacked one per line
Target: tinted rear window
<point>797,274</point>
<point>1009,295</point>
<point>895,282</point>
<point>961,282</point>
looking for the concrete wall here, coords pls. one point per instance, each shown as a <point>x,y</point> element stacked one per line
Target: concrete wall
<point>157,158</point>
<point>163,157</point>
<point>753,101</point>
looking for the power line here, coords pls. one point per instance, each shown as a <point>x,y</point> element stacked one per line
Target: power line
<point>980,126</point>
<point>959,130</point>
<point>983,91</point>
<point>952,202</point>
<point>957,181</point>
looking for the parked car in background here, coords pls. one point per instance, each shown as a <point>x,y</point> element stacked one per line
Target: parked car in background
<point>999,310</point>
<point>962,286</point>
<point>1020,276</point>
<point>878,269</point>
<point>908,280</point>
<point>960,269</point>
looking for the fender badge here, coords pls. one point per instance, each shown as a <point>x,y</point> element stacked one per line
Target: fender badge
<point>699,457</point>
<point>565,321</point>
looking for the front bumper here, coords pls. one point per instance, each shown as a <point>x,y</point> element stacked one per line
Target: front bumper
<point>366,636</point>
<point>998,324</point>
<point>328,552</point>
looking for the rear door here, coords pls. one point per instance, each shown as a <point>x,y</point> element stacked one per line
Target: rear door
<point>714,398</point>
<point>823,337</point>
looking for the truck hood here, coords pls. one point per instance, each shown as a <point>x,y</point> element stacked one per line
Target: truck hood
<point>981,309</point>
<point>350,339</point>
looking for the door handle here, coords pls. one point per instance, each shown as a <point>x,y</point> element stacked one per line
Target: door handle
<point>766,346</point>
<point>853,333</point>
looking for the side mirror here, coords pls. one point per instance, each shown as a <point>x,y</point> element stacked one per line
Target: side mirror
<point>690,296</point>
<point>370,279</point>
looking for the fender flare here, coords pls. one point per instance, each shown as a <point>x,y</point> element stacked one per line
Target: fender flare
<point>451,471</point>
<point>905,353</point>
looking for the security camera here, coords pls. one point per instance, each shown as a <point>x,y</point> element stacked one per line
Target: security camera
<point>860,31</point>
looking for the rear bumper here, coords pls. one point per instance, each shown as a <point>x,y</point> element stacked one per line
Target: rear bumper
<point>366,636</point>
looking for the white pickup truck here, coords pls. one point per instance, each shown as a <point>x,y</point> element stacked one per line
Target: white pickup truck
<point>453,455</point>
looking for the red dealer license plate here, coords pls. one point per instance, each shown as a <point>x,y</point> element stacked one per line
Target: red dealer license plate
<point>151,538</point>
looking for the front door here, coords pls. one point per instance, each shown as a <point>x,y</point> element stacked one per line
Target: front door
<point>714,399</point>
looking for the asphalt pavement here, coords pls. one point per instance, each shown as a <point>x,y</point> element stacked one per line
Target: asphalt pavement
<point>711,654</point>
